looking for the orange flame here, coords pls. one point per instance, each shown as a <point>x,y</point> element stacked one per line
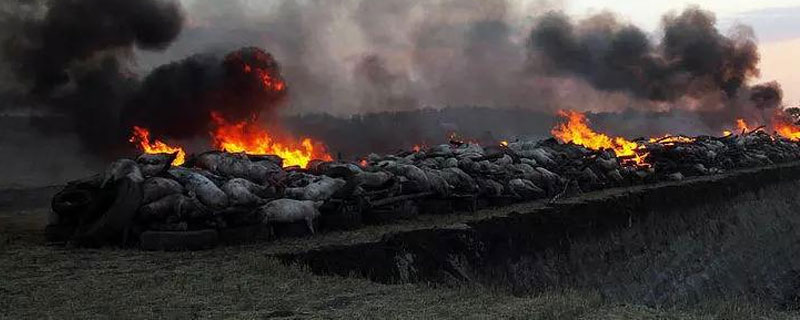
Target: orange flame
<point>577,131</point>
<point>742,125</point>
<point>787,130</point>
<point>251,138</point>
<point>141,137</point>
<point>504,143</point>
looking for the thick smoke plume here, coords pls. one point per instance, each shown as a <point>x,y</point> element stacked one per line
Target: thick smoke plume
<point>76,30</point>
<point>83,59</point>
<point>692,59</point>
<point>71,57</point>
<point>355,56</point>
<point>74,60</point>
<point>177,99</point>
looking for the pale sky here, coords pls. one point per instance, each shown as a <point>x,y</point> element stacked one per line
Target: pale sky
<point>775,22</point>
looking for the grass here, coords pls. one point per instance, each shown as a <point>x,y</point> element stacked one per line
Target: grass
<point>243,282</point>
<point>741,248</point>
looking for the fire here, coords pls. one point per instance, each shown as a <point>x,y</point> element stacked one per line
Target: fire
<point>670,139</point>
<point>251,138</point>
<point>742,125</point>
<point>141,137</point>
<point>416,148</point>
<point>788,130</point>
<point>577,131</point>
<point>504,143</point>
<point>269,83</point>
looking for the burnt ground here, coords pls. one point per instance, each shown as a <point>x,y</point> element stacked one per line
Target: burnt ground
<point>725,264</point>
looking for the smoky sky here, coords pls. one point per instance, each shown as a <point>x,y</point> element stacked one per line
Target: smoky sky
<point>109,64</point>
<point>71,58</point>
<point>75,30</point>
<point>469,52</point>
<point>692,58</point>
<point>75,59</point>
<point>176,100</point>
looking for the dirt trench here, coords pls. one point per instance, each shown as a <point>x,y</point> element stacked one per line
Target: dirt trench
<point>734,235</point>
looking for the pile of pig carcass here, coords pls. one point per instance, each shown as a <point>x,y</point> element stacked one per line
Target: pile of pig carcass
<point>217,195</point>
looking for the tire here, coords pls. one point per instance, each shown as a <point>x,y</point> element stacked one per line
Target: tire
<point>71,202</point>
<point>109,228</point>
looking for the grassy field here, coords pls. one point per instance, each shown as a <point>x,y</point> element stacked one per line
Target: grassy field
<point>38,281</point>
<point>242,283</point>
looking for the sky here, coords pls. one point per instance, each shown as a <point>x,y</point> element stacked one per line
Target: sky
<point>776,24</point>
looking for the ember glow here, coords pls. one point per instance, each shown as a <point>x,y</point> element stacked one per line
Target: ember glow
<point>269,83</point>
<point>670,139</point>
<point>251,138</point>
<point>577,131</point>
<point>141,137</point>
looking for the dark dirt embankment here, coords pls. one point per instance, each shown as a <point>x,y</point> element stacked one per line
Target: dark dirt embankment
<point>731,236</point>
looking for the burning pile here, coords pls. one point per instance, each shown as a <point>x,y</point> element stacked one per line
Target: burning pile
<point>259,178</point>
<point>221,193</point>
<point>251,138</point>
<point>240,89</point>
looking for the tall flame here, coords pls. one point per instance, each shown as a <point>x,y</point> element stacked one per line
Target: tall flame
<point>141,137</point>
<point>577,131</point>
<point>251,138</point>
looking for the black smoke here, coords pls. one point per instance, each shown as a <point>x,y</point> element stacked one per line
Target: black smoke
<point>74,60</point>
<point>71,58</point>
<point>76,30</point>
<point>176,100</point>
<point>691,59</point>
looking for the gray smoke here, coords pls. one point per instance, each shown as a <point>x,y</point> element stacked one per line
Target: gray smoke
<point>424,52</point>
<point>692,59</point>
<point>356,56</point>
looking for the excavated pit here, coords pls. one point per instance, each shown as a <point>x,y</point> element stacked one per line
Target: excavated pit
<point>725,236</point>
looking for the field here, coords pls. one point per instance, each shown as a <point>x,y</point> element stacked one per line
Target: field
<point>243,282</point>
